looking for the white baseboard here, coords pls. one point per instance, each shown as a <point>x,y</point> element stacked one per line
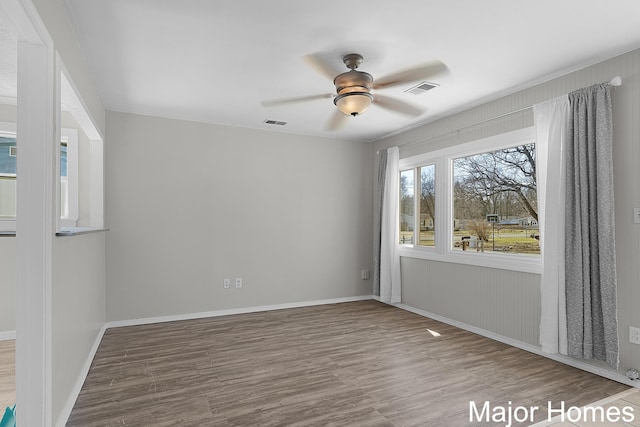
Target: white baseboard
<point>228,312</point>
<point>7,335</point>
<point>603,372</point>
<point>75,392</point>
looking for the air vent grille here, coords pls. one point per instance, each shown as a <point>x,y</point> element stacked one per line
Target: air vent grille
<point>421,88</point>
<point>275,122</point>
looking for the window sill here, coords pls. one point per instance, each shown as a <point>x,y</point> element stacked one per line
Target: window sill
<point>514,262</point>
<point>64,232</point>
<point>76,231</point>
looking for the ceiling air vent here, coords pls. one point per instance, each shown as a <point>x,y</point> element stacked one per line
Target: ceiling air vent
<point>275,122</point>
<point>421,88</point>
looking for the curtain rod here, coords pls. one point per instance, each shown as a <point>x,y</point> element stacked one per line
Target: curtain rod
<point>616,81</point>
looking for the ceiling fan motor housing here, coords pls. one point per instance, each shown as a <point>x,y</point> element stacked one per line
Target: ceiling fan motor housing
<point>353,81</point>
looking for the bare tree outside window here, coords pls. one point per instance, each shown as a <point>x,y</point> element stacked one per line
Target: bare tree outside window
<point>407,217</point>
<point>501,184</point>
<point>427,205</point>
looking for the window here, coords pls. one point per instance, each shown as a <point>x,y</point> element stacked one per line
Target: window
<point>427,205</point>
<point>476,203</point>
<point>8,176</point>
<point>418,228</point>
<point>495,205</point>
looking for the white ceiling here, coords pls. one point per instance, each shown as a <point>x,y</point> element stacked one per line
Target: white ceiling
<point>217,61</point>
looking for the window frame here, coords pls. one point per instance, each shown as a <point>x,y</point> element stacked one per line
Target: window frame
<point>443,227</point>
<point>70,137</point>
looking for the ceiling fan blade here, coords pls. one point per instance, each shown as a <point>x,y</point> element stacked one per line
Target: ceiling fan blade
<point>429,70</point>
<point>321,63</point>
<point>337,120</point>
<point>294,100</point>
<point>398,106</point>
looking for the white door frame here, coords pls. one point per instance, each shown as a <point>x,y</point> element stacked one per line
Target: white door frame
<point>35,217</point>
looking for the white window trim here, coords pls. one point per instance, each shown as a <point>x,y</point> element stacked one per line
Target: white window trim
<point>443,160</point>
<point>70,136</point>
<point>95,178</point>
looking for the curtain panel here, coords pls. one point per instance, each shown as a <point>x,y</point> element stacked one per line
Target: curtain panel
<point>390,285</point>
<point>575,190</point>
<point>590,257</point>
<point>551,119</point>
<point>377,238</point>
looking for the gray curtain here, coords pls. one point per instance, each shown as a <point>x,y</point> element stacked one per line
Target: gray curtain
<point>590,275</point>
<point>377,238</point>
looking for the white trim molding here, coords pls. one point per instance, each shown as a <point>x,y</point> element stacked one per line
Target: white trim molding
<point>603,372</point>
<point>231,311</point>
<point>34,231</point>
<point>35,208</point>
<point>7,335</point>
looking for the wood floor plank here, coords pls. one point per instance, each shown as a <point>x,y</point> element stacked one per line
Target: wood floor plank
<point>361,363</point>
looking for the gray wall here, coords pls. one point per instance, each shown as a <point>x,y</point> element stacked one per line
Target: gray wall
<point>505,302</point>
<point>189,204</point>
<point>78,309</point>
<point>508,303</point>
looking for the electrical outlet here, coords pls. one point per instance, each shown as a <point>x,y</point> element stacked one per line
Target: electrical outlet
<point>634,335</point>
<point>636,215</point>
<point>238,282</point>
<point>226,283</point>
<point>364,274</point>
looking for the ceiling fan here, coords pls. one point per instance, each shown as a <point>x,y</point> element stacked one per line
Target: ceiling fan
<point>354,88</point>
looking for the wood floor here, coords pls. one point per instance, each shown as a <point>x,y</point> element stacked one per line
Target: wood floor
<point>7,374</point>
<point>350,364</point>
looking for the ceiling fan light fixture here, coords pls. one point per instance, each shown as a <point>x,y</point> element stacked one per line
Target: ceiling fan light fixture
<point>353,89</point>
<point>353,103</point>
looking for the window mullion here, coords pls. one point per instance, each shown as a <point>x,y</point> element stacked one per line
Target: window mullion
<point>444,208</point>
<point>416,207</point>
